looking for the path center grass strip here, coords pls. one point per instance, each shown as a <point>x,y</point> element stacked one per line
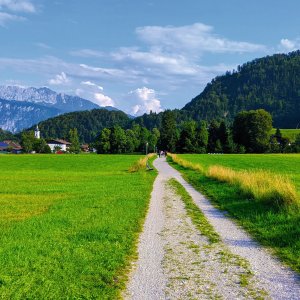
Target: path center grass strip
<point>276,228</point>
<point>69,224</point>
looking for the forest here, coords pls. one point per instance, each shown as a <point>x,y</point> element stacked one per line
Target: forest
<point>271,83</point>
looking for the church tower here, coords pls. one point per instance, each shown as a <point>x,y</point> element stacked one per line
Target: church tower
<point>37,133</point>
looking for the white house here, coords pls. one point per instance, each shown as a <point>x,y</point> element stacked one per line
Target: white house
<point>55,144</point>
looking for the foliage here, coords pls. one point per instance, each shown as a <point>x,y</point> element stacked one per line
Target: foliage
<point>27,141</point>
<point>71,234</point>
<point>6,135</point>
<point>270,83</point>
<point>252,129</point>
<point>74,140</point>
<point>168,132</point>
<point>88,123</point>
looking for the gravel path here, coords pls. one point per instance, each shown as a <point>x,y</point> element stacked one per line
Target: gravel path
<point>177,262</point>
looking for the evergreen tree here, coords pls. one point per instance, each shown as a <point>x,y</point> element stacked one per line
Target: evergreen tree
<point>187,142</point>
<point>74,140</point>
<point>168,132</point>
<point>213,137</point>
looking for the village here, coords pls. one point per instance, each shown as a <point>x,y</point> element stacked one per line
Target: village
<point>57,146</point>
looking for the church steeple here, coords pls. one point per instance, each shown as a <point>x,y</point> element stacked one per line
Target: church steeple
<point>37,133</point>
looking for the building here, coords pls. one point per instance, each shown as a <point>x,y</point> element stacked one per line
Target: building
<point>58,144</point>
<point>37,133</point>
<point>9,146</point>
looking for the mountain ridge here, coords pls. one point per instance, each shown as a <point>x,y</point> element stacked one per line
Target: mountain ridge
<point>21,107</point>
<point>271,83</point>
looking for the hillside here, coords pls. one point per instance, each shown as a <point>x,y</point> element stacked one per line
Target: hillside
<point>271,83</point>
<point>16,115</point>
<point>88,123</point>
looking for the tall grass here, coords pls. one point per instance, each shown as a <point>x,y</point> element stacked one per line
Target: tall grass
<point>185,163</point>
<point>141,164</point>
<point>259,185</point>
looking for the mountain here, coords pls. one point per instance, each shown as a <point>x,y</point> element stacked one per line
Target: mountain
<point>271,83</point>
<point>22,107</point>
<point>88,123</point>
<point>46,97</point>
<point>16,115</point>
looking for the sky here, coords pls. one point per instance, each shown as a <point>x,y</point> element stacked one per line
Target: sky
<point>138,55</point>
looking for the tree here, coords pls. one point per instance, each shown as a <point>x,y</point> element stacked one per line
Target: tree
<point>41,146</point>
<point>202,137</point>
<point>251,129</point>
<point>118,140</point>
<point>130,141</point>
<point>27,141</point>
<point>153,139</point>
<point>187,142</point>
<point>168,132</point>
<point>103,145</point>
<point>74,140</point>
<point>213,137</point>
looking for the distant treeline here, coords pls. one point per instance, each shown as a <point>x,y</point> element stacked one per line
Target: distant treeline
<point>249,133</point>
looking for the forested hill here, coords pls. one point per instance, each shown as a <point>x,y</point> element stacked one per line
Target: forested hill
<point>88,123</point>
<point>271,83</point>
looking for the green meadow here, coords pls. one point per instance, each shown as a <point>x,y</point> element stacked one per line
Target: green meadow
<point>284,164</point>
<point>69,224</point>
<point>288,133</point>
<point>275,227</point>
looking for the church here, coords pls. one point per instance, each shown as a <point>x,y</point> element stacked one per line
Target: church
<point>54,144</point>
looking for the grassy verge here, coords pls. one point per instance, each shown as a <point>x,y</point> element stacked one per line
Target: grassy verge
<point>195,213</point>
<point>260,185</point>
<point>69,224</point>
<point>141,164</point>
<point>276,228</point>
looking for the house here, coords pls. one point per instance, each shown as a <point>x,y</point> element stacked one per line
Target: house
<point>3,147</point>
<point>58,144</point>
<point>10,146</point>
<point>85,148</point>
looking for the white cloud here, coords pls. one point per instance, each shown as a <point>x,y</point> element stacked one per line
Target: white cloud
<point>60,79</point>
<point>6,17</point>
<point>89,83</point>
<point>195,38</point>
<point>103,100</point>
<point>87,53</point>
<point>25,6</point>
<point>43,46</point>
<point>145,100</point>
<point>287,45</point>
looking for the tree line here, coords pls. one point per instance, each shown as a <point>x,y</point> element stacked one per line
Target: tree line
<point>249,133</point>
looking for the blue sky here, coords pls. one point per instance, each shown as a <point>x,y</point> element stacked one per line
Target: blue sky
<point>138,55</point>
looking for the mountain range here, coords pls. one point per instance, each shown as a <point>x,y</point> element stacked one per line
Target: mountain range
<point>22,107</point>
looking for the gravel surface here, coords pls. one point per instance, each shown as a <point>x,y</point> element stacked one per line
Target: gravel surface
<point>177,262</point>
<point>147,280</point>
<point>196,268</point>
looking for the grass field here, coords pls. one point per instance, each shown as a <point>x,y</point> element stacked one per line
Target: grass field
<point>285,164</point>
<point>276,228</point>
<point>288,133</point>
<point>69,224</point>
